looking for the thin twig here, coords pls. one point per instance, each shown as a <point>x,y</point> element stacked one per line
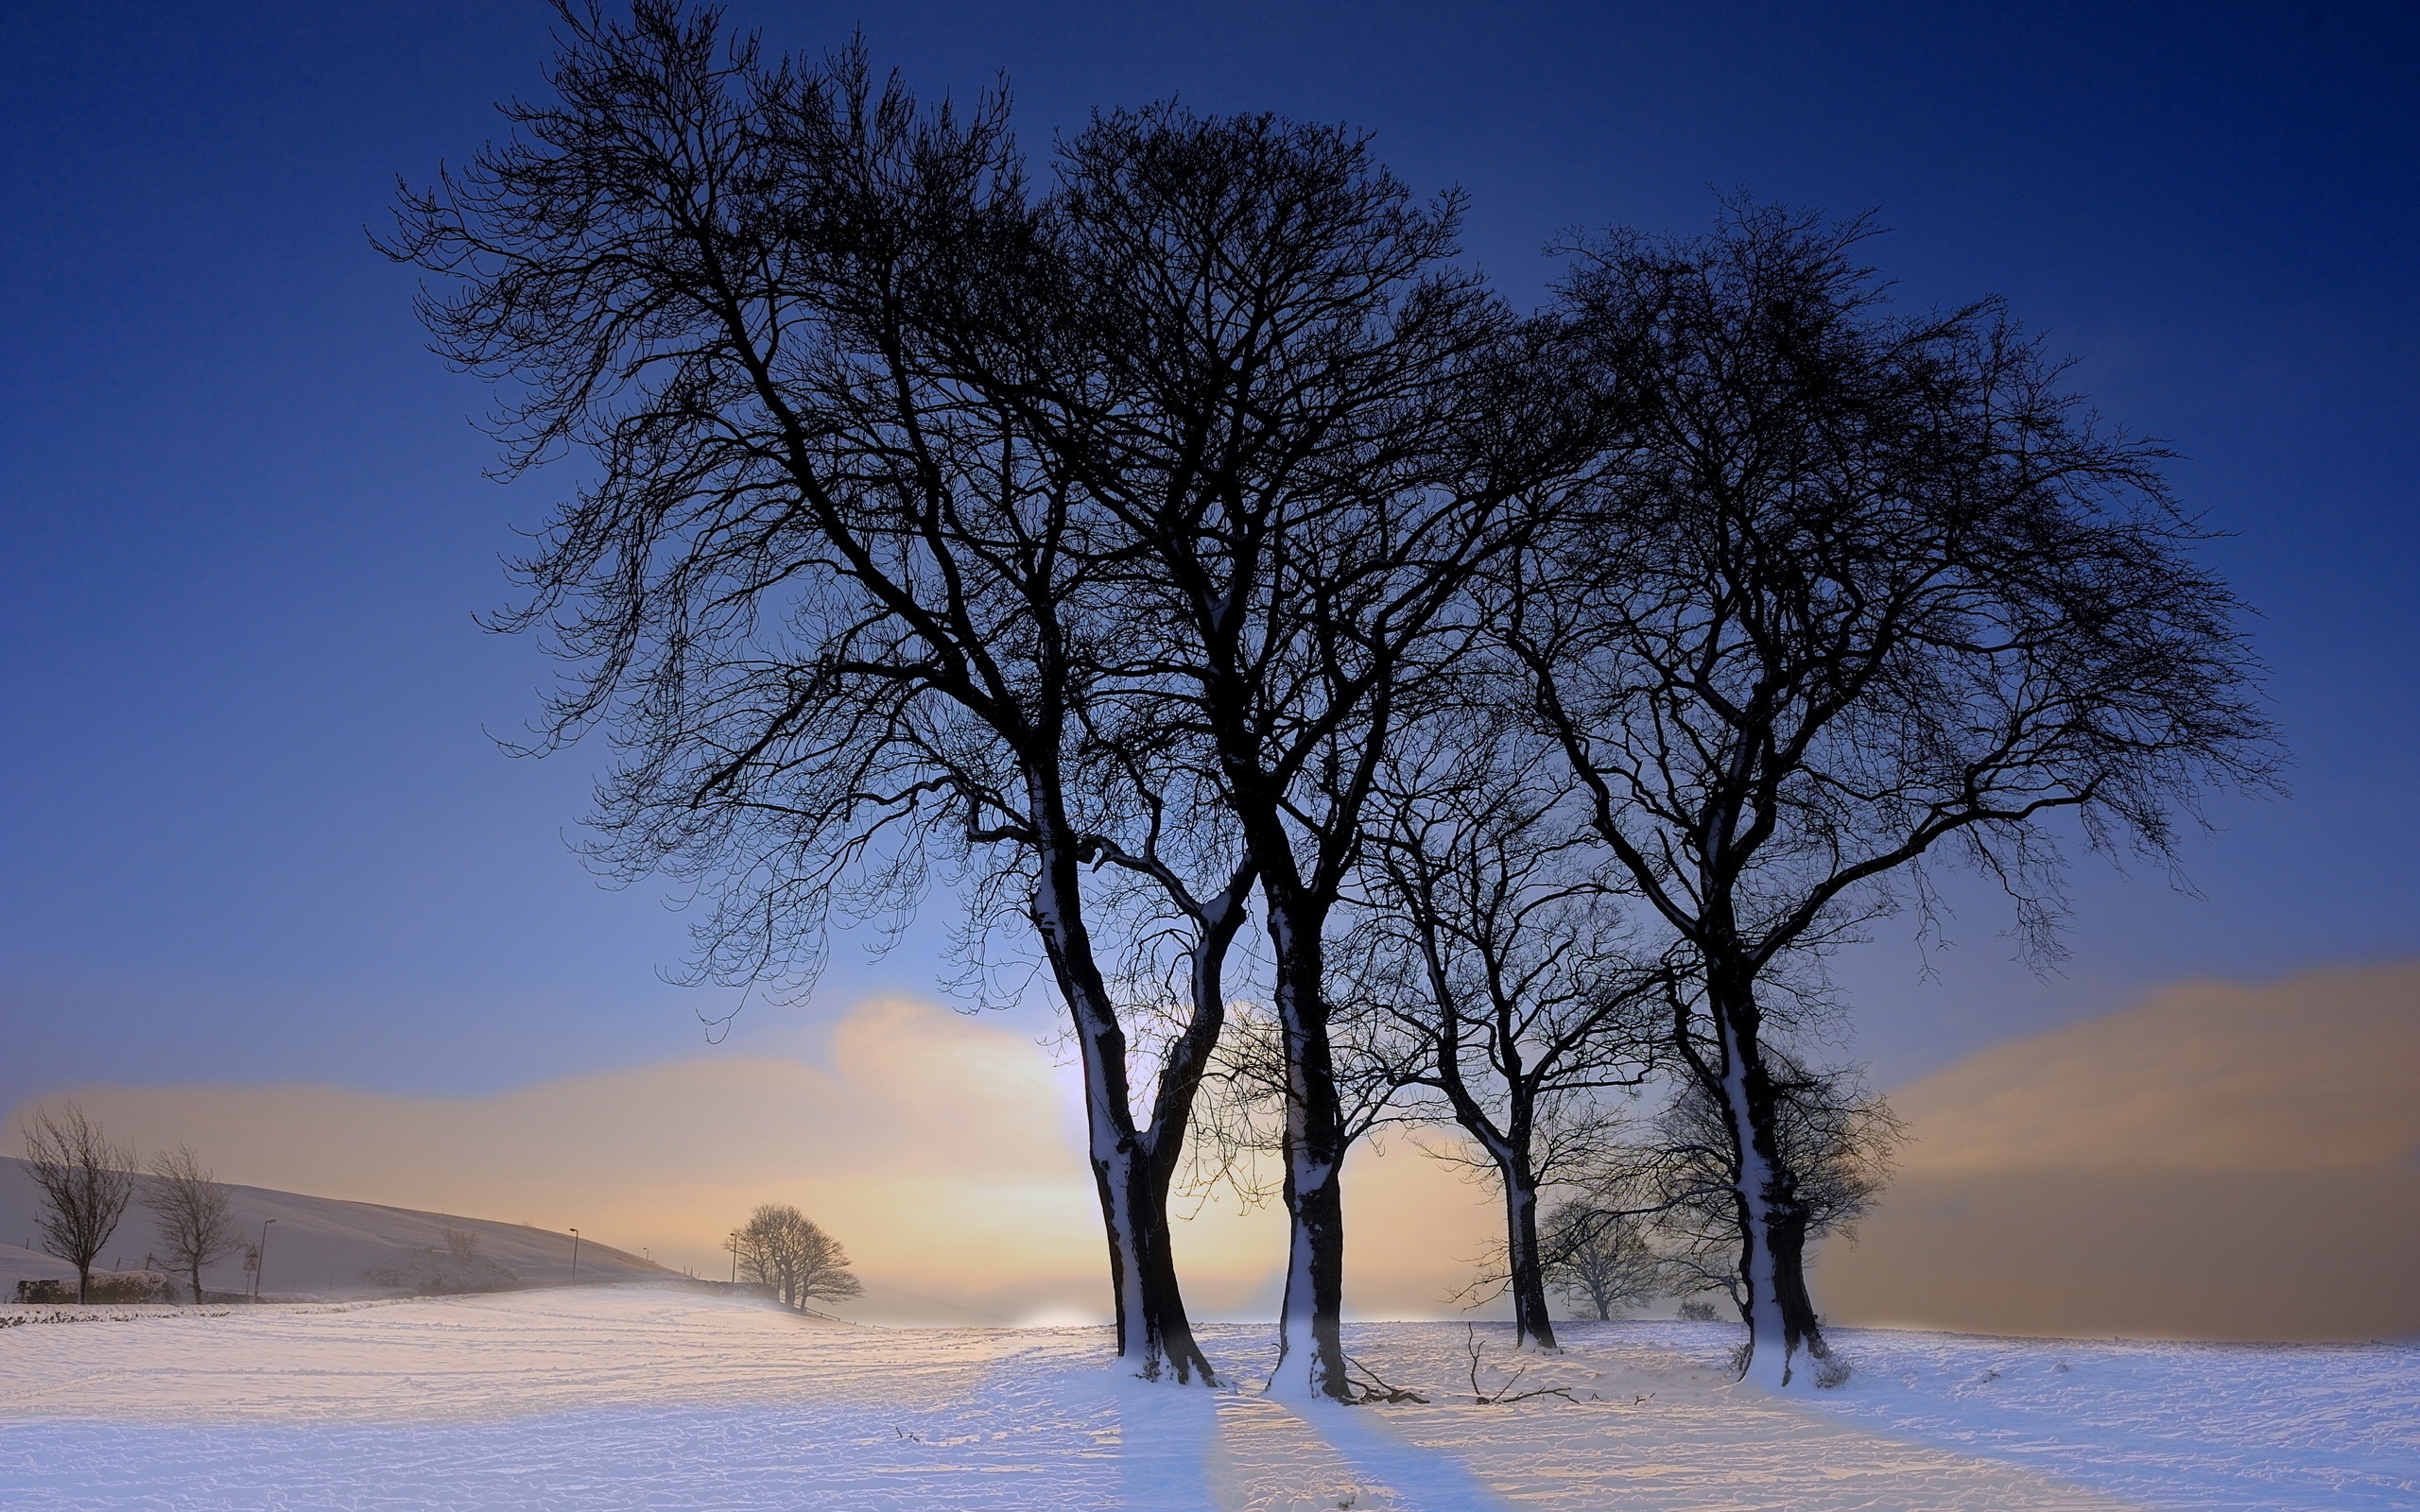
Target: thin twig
<point>1377,1388</point>
<point>1505,1395</point>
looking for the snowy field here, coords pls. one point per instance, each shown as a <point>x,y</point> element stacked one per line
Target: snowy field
<point>626,1398</point>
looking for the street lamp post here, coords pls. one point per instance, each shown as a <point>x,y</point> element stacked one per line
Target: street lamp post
<point>260,1258</point>
<point>575,1257</point>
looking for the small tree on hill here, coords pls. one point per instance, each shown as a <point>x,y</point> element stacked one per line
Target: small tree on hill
<point>86,1183</point>
<point>196,1221</point>
<point>785,1249</point>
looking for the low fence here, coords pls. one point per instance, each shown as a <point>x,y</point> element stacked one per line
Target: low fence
<point>115,1287</point>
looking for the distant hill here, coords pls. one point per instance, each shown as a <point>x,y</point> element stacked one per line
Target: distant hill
<point>320,1246</point>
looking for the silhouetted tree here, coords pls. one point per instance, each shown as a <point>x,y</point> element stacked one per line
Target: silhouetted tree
<point>193,1212</point>
<point>1243,338</point>
<point>1854,589</point>
<point>85,1182</point>
<point>844,615</point>
<point>1493,946</point>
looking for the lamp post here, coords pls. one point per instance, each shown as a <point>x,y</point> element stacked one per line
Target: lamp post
<point>575,1257</point>
<point>260,1258</point>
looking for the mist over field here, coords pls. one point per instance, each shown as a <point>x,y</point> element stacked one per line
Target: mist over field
<point>2043,1184</point>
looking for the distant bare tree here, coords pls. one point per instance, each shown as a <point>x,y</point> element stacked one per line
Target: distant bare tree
<point>786,1249</point>
<point>462,1244</point>
<point>196,1221</point>
<point>1600,1258</point>
<point>1493,945</point>
<point>86,1183</point>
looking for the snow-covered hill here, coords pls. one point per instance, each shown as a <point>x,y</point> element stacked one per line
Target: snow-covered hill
<point>318,1246</point>
<point>632,1398</point>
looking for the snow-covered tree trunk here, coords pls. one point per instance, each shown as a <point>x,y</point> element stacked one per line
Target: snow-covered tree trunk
<point>1784,1338</point>
<point>1163,1141</point>
<point>1310,1323</point>
<point>1153,1335</point>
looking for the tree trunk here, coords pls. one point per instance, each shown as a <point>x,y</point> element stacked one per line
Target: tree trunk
<point>1310,1333</point>
<point>1154,1334</point>
<point>1787,1236</point>
<point>1783,1335</point>
<point>1171,1113</point>
<point>1533,1321</point>
<point>195,1276</point>
<point>1310,1336</point>
<point>1170,1344</point>
<point>1152,1331</point>
<point>83,1282</point>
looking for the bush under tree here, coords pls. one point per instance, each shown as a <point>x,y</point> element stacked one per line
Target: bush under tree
<point>1834,1138</point>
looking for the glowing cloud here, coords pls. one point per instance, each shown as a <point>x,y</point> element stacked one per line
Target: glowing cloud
<point>945,1152</point>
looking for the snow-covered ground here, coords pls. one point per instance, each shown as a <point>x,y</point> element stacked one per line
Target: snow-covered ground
<point>626,1398</point>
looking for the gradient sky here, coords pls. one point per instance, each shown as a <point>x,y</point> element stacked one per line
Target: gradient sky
<point>253,826</point>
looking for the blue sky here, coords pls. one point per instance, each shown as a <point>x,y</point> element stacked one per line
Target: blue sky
<point>252,822</point>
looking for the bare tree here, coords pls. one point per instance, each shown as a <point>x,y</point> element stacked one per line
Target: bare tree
<point>193,1212</point>
<point>782,1248</point>
<point>85,1181</point>
<point>1853,590</point>
<point>845,616</point>
<point>1247,342</point>
<point>1496,948</point>
<point>1601,1259</point>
